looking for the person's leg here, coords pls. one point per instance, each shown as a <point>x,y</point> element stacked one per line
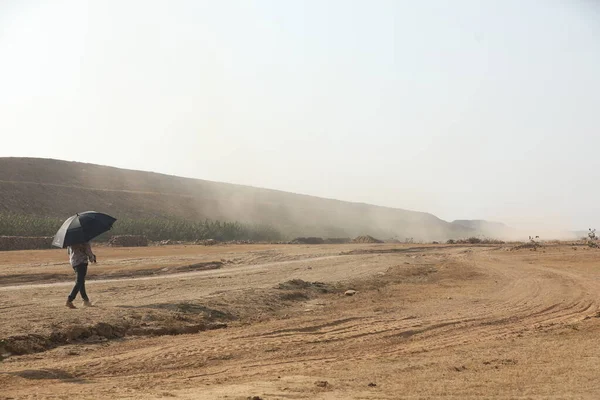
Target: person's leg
<point>76,288</point>
<point>81,278</point>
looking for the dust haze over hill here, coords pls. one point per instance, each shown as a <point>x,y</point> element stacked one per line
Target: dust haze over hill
<point>59,188</point>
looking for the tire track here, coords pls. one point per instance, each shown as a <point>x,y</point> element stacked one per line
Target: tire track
<point>525,299</point>
<point>207,273</point>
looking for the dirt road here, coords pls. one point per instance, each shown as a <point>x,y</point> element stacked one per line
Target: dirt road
<point>273,322</point>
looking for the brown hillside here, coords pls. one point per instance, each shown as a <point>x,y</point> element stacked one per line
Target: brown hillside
<point>60,188</point>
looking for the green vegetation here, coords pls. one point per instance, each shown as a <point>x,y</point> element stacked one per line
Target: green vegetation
<point>28,225</point>
<point>153,228</point>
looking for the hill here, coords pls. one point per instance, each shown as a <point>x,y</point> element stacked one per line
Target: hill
<point>56,188</point>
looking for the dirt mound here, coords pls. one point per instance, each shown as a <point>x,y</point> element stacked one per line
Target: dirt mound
<point>299,290</point>
<point>308,240</point>
<point>533,246</point>
<point>24,243</point>
<point>128,241</point>
<point>366,239</point>
<point>295,284</point>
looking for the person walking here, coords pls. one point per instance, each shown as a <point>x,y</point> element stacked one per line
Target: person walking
<point>79,254</point>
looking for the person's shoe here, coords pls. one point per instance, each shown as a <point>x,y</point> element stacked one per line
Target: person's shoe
<point>87,303</point>
<point>70,304</point>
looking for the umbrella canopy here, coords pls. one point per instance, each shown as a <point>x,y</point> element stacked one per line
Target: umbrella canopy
<point>82,227</point>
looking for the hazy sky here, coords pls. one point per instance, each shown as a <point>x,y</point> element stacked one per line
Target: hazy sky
<point>465,109</point>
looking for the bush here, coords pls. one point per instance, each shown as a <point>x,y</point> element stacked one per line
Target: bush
<point>476,240</point>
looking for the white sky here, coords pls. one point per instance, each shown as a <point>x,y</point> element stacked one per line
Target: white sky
<point>465,109</point>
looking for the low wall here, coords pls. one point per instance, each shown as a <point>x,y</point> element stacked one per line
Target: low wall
<point>128,241</point>
<point>308,240</point>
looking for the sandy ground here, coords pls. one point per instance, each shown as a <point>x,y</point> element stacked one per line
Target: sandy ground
<point>272,322</point>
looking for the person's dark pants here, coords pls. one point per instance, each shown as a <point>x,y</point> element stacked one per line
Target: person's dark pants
<point>80,272</point>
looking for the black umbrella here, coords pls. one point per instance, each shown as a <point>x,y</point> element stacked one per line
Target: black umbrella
<point>82,228</point>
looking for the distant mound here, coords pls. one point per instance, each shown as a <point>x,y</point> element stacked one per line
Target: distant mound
<point>53,188</point>
<point>366,239</point>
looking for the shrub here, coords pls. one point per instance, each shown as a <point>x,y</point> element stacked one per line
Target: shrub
<point>476,240</point>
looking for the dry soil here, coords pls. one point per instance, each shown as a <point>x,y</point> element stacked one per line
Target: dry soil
<point>273,322</point>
